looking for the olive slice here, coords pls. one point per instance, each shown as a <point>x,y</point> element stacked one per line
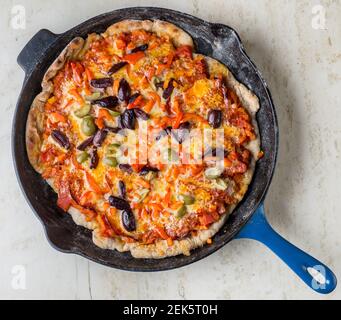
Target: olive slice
<point>101,83</point>
<point>181,212</point>
<point>88,126</point>
<point>123,91</point>
<point>214,118</point>
<point>86,143</point>
<point>116,67</point>
<point>107,102</point>
<point>100,137</point>
<point>122,189</point>
<point>93,158</point>
<point>119,203</point>
<point>110,161</point>
<point>143,47</point>
<point>61,139</point>
<point>83,111</point>
<point>83,156</point>
<point>187,199</point>
<point>128,220</point>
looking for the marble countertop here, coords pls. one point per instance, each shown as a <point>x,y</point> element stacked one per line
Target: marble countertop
<point>297,46</point>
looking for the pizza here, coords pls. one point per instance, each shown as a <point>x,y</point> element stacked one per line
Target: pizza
<point>147,143</point>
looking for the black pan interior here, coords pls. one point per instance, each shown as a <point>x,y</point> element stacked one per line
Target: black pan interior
<point>215,40</point>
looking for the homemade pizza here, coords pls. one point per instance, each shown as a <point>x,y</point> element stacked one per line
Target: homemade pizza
<point>146,143</point>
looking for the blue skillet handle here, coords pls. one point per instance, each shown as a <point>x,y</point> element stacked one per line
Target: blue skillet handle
<point>313,272</point>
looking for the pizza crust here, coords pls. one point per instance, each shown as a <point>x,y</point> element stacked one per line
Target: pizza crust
<point>162,28</point>
<point>34,131</point>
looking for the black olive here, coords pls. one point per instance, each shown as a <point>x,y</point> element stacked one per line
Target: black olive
<point>147,169</point>
<point>158,84</point>
<point>123,91</point>
<point>126,167</point>
<point>107,102</point>
<point>101,83</point>
<point>143,47</point>
<point>128,220</point>
<point>168,91</point>
<point>112,129</point>
<point>99,137</point>
<point>182,132</point>
<point>128,119</point>
<point>122,189</point>
<point>215,118</point>
<point>140,114</point>
<point>116,67</point>
<point>165,132</point>
<point>86,143</point>
<point>93,158</point>
<point>133,97</point>
<point>61,139</point>
<point>119,203</point>
<point>216,151</point>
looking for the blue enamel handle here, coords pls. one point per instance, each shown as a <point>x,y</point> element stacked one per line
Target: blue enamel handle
<point>313,272</point>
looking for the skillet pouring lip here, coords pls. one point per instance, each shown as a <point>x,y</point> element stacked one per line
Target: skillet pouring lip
<point>216,40</point>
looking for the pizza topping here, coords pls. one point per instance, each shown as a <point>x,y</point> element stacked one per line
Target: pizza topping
<point>213,173</point>
<point>125,167</point>
<point>128,220</point>
<point>99,137</point>
<point>101,83</point>
<point>119,203</point>
<point>158,84</point>
<point>133,98</point>
<point>187,199</point>
<point>61,139</point>
<point>182,132</point>
<point>83,111</point>
<point>86,143</point>
<point>168,91</point>
<point>64,197</point>
<point>107,102</point>
<point>140,114</point>
<point>93,96</point>
<point>110,161</point>
<point>147,169</point>
<point>181,212</point>
<point>167,131</point>
<point>123,91</point>
<point>217,152</point>
<point>93,158</point>
<point>143,47</point>
<point>122,189</point>
<point>88,126</point>
<point>116,67</point>
<point>133,58</point>
<point>220,184</point>
<point>128,119</point>
<point>82,157</point>
<point>214,118</point>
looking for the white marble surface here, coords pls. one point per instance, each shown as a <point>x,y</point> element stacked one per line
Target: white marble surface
<point>303,69</point>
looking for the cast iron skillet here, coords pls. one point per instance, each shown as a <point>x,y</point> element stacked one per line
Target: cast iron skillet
<point>215,40</point>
